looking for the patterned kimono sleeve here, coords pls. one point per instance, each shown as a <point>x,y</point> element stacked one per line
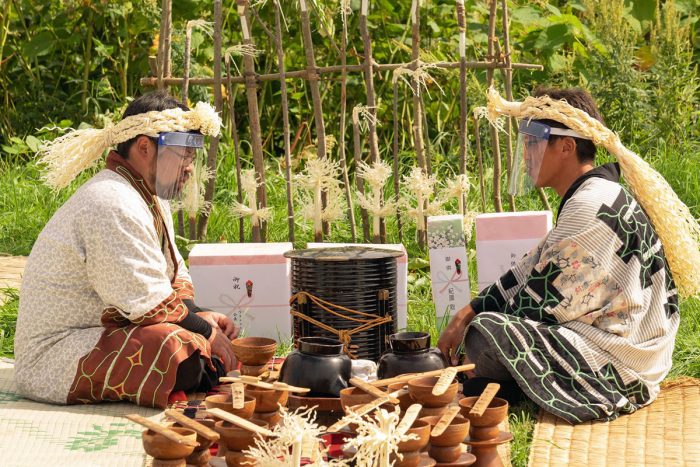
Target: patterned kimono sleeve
<point>127,268</point>
<point>572,279</point>
<point>496,296</point>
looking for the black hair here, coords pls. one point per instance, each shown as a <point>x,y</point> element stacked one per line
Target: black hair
<point>153,101</point>
<point>581,99</point>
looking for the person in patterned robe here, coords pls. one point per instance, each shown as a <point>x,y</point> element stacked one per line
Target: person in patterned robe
<point>585,323</point>
<point>107,309</point>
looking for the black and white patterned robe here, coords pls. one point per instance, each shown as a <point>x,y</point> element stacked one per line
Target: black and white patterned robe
<point>586,321</point>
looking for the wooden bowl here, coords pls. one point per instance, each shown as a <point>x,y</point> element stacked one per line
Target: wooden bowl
<point>496,412</point>
<point>421,428</point>
<point>160,447</point>
<point>410,459</point>
<point>421,390</point>
<point>453,434</point>
<point>271,418</point>
<point>354,396</point>
<point>254,351</point>
<point>204,443</point>
<point>266,400</point>
<point>236,438</point>
<point>432,411</point>
<point>445,454</point>
<point>224,402</point>
<point>239,459</point>
<point>405,401</point>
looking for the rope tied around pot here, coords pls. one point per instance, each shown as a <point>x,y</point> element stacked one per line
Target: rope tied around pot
<point>344,335</point>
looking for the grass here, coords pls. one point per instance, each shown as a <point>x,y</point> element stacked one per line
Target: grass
<point>26,205</point>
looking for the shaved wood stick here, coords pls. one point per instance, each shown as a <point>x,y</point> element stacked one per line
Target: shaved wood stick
<point>162,430</point>
<point>463,105</point>
<point>241,422</point>
<point>445,420</point>
<point>408,419</point>
<point>187,422</point>
<point>343,111</point>
<point>359,183</point>
<point>285,121</point>
<point>415,56</point>
<point>395,151</point>
<point>372,389</point>
<point>236,150</point>
<point>378,67</point>
<point>495,143</point>
<point>408,377</point>
<point>480,160</point>
<point>365,409</point>
<point>313,78</point>
<point>444,381</point>
<point>262,384</point>
<point>213,141</point>
<point>482,403</point>
<point>259,232</point>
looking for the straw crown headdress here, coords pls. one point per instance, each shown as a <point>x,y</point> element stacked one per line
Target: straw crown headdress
<point>68,155</point>
<point>674,223</point>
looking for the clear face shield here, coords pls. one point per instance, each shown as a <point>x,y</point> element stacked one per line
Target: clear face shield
<point>177,152</point>
<point>533,138</point>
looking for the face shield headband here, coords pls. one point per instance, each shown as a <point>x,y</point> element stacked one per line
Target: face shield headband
<point>177,151</point>
<point>533,138</point>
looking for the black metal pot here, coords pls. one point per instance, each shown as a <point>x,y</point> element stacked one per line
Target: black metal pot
<point>410,353</point>
<point>320,365</point>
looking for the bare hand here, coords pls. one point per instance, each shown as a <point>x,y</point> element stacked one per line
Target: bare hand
<point>221,321</point>
<point>452,336</point>
<point>222,348</point>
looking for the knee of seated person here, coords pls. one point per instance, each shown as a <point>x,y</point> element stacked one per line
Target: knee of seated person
<point>475,344</point>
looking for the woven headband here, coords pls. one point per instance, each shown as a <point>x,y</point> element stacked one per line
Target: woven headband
<point>68,155</point>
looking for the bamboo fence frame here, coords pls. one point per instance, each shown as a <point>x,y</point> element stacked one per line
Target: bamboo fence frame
<point>312,73</point>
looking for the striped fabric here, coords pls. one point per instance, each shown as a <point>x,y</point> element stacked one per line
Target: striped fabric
<point>586,321</point>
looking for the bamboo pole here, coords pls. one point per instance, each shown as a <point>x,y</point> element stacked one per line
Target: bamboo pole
<point>480,160</point>
<point>426,140</point>
<point>302,74</point>
<point>313,78</point>
<point>395,151</point>
<point>213,141</point>
<point>371,101</point>
<point>167,40</point>
<point>508,131</point>
<point>285,120</point>
<point>343,111</point>
<point>495,143</point>
<point>258,232</point>
<point>415,56</point>
<point>463,105</point>
<point>160,61</point>
<point>359,183</point>
<point>184,99</point>
<point>236,149</point>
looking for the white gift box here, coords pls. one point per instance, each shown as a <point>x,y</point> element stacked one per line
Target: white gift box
<point>503,238</point>
<point>449,274</point>
<point>401,274</point>
<point>249,282</point>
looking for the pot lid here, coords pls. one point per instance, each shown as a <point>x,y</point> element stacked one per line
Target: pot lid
<point>345,253</point>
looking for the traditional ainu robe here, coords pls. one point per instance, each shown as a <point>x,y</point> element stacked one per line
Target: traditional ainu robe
<point>101,298</point>
<point>586,321</point>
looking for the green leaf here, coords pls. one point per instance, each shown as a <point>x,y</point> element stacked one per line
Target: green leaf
<point>525,15</point>
<point>644,10</point>
<point>40,45</point>
<point>33,143</point>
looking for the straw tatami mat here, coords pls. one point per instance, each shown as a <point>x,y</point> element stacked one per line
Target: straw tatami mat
<point>34,434</point>
<point>666,433</point>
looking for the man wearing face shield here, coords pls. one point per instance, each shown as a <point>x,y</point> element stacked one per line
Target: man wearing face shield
<point>585,323</point>
<point>107,308</point>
